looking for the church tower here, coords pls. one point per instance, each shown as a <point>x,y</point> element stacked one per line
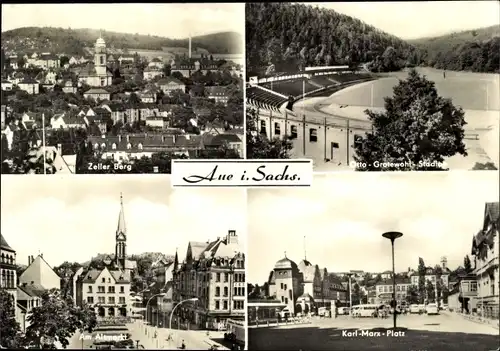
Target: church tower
<point>100,57</point>
<point>121,238</point>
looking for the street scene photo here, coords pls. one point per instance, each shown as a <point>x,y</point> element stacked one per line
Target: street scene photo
<point>96,262</point>
<point>375,261</point>
<point>411,86</point>
<point>120,88</point>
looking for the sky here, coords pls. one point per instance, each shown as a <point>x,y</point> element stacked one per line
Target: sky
<point>418,19</point>
<point>343,216</point>
<point>175,21</point>
<point>73,218</point>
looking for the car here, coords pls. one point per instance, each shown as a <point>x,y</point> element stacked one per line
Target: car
<point>343,310</point>
<point>431,309</point>
<point>422,308</point>
<point>414,309</point>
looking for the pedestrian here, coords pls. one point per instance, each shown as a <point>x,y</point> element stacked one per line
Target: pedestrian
<point>183,345</point>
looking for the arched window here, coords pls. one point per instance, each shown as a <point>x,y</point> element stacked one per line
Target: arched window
<point>3,258</point>
<point>103,145</point>
<point>96,146</point>
<point>129,146</point>
<point>140,146</point>
<point>113,146</point>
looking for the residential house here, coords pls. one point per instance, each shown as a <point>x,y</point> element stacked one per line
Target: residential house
<point>47,61</point>
<point>152,73</point>
<point>69,87</point>
<point>163,271</point>
<point>8,272</point>
<point>101,118</point>
<point>170,84</point>
<point>117,111</point>
<point>431,274</point>
<point>485,249</point>
<point>231,141</point>
<point>220,94</point>
<point>28,119</point>
<point>157,122</point>
<point>7,85</point>
<point>29,85</point>
<point>384,291</point>
<point>67,120</point>
<point>148,96</point>
<point>156,63</point>
<point>213,272</point>
<point>41,273</point>
<point>97,94</point>
<point>74,61</point>
<point>17,77</point>
<point>107,290</point>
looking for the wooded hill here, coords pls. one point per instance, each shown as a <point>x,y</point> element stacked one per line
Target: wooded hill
<point>288,37</point>
<point>473,50</point>
<point>73,41</point>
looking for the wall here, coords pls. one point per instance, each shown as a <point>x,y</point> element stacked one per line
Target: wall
<point>40,273</point>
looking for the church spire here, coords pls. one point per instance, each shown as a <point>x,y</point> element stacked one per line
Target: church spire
<point>121,229</point>
<point>176,260</point>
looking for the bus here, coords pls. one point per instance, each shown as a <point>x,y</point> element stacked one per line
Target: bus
<point>368,310</point>
<point>235,332</point>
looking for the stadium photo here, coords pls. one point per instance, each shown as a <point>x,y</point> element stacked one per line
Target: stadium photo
<point>320,104</point>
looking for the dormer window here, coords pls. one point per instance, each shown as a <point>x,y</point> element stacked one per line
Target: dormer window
<point>129,146</point>
<point>140,146</point>
<point>114,146</point>
<point>103,145</point>
<point>96,146</point>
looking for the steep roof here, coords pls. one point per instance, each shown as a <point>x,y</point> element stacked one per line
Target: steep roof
<point>168,80</point>
<point>4,245</point>
<point>197,248</point>
<point>285,263</point>
<point>31,290</point>
<point>96,91</point>
<point>34,271</point>
<point>121,228</point>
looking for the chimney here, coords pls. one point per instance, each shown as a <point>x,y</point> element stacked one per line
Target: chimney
<point>29,260</point>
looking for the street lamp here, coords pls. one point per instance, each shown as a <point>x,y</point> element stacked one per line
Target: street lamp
<point>392,236</point>
<point>159,294</point>
<point>349,275</point>
<point>194,299</point>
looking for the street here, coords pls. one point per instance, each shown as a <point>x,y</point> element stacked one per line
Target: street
<point>446,331</point>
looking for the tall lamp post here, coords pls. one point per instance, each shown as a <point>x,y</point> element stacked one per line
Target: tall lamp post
<point>349,275</point>
<point>147,304</point>
<point>392,236</point>
<point>194,299</point>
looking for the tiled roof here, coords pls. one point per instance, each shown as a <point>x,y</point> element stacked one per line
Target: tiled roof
<point>492,213</point>
<point>168,80</point>
<point>398,281</point>
<point>156,59</point>
<point>197,248</point>
<point>32,290</point>
<point>148,142</point>
<point>4,245</point>
<point>28,80</point>
<point>285,263</point>
<point>220,139</point>
<point>96,91</point>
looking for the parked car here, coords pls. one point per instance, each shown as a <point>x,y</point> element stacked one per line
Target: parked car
<point>414,309</point>
<point>422,308</point>
<point>343,310</point>
<point>432,308</point>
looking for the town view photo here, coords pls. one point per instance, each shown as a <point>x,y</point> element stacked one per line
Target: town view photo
<point>123,95</point>
<point>392,261</point>
<point>119,262</point>
<point>374,86</point>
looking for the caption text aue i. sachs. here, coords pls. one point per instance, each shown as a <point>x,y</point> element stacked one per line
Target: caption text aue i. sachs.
<point>259,175</point>
<point>371,333</point>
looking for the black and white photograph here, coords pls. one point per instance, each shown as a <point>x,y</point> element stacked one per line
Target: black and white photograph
<point>377,86</point>
<point>112,262</point>
<point>375,261</point>
<point>141,85</point>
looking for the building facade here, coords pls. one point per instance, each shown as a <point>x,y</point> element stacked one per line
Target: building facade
<point>485,249</point>
<point>214,274</point>
<point>107,289</point>
<point>384,291</point>
<point>98,74</point>
<point>8,274</point>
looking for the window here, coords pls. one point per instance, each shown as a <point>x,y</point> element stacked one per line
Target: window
<point>217,305</point>
<point>286,300</point>
<point>101,299</point>
<point>122,289</point>
<point>293,132</point>
<point>101,60</point>
<point>357,139</point>
<point>122,300</point>
<point>111,299</point>
<point>129,146</point>
<point>96,146</point>
<point>285,286</point>
<point>217,291</point>
<point>140,146</point>
<point>101,289</point>
<point>263,127</point>
<point>217,277</point>
<point>313,135</point>
<point>335,145</point>
<point>111,289</point>
<point>226,291</point>
<point>90,289</point>
<point>90,299</point>
<point>113,146</point>
<point>225,305</point>
<point>103,145</point>
<point>290,294</point>
<point>282,299</point>
<point>277,129</point>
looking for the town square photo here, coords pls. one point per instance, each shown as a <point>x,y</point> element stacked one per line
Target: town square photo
<point>120,88</point>
<point>96,262</point>
<point>375,261</point>
<point>374,86</point>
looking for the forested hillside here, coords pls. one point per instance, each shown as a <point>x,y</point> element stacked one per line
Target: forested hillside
<point>474,50</point>
<point>73,41</point>
<point>290,36</point>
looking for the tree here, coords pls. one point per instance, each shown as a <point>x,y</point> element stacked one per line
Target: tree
<point>21,62</point>
<point>63,60</point>
<point>56,320</point>
<point>467,264</point>
<point>416,132</point>
<point>421,278</point>
<point>412,295</point>
<point>439,283</point>
<point>259,146</point>
<point>9,328</point>
<point>167,69</point>
<point>430,292</point>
